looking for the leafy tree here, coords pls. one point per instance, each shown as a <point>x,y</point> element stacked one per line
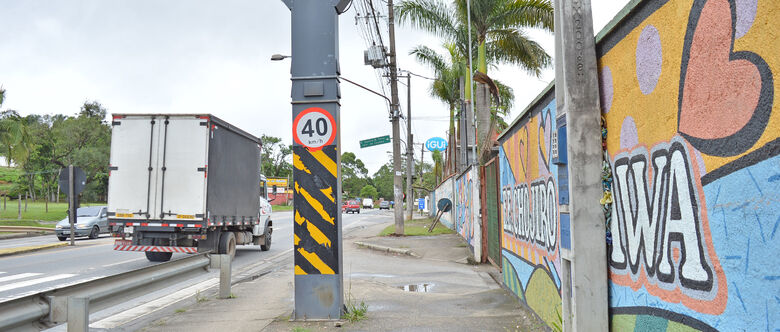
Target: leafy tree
<point>368,191</point>
<point>437,166</point>
<point>354,175</point>
<point>84,141</point>
<point>383,181</point>
<point>274,155</point>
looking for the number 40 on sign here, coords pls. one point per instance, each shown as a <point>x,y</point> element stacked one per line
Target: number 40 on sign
<point>314,128</point>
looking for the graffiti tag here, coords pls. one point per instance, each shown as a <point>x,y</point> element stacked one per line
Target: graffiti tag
<point>531,213</point>
<point>660,229</point>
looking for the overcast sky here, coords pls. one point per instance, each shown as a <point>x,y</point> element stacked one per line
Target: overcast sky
<point>194,56</point>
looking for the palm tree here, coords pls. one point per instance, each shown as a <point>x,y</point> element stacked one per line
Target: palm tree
<point>498,28</point>
<point>446,87</point>
<point>14,137</point>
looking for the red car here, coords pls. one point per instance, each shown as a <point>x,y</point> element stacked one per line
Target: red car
<point>352,206</point>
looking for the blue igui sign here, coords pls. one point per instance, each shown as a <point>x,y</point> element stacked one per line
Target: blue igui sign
<point>436,144</point>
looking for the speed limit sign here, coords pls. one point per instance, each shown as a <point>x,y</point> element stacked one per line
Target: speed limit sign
<point>314,128</point>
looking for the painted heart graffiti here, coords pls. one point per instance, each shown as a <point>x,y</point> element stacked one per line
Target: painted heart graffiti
<point>545,141</point>
<point>725,96</point>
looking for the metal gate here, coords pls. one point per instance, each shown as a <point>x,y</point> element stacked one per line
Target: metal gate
<point>493,216</point>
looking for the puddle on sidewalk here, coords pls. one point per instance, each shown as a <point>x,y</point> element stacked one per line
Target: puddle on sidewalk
<point>417,288</point>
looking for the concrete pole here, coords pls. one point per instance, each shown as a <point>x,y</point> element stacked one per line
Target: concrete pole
<point>409,147</point>
<point>397,182</point>
<point>78,314</point>
<point>577,97</point>
<point>224,276</point>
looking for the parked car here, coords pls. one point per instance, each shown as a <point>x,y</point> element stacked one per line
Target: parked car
<point>352,207</point>
<point>384,205</point>
<point>368,203</point>
<point>90,221</point>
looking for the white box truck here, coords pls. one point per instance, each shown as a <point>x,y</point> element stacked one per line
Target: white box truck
<point>185,183</point>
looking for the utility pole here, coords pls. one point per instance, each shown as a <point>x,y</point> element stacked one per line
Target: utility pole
<point>397,182</point>
<point>584,288</point>
<point>409,147</point>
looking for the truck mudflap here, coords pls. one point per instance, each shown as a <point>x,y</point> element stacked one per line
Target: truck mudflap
<point>126,245</point>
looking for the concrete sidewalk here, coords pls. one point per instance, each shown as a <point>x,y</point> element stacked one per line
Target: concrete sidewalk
<point>432,292</point>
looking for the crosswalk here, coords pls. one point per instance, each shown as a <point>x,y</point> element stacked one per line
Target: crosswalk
<point>10,282</point>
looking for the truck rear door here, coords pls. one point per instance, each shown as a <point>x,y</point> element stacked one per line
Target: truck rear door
<point>184,170</point>
<point>132,172</point>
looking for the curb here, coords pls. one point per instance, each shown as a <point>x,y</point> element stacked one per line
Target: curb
<point>377,247</point>
<point>22,250</point>
<point>22,235</point>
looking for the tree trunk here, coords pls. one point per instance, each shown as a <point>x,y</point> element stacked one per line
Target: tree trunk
<point>482,99</point>
<point>58,191</point>
<point>482,58</point>
<point>25,201</point>
<point>19,206</point>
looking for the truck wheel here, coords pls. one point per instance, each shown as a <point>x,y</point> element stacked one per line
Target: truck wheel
<point>154,256</point>
<point>227,244</point>
<point>62,238</point>
<point>267,237</point>
<point>94,233</point>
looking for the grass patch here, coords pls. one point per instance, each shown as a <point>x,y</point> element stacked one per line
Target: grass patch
<point>356,311</point>
<point>417,227</point>
<point>37,210</point>
<point>300,329</point>
<point>181,310</point>
<point>276,208</point>
<point>24,223</point>
<point>200,298</point>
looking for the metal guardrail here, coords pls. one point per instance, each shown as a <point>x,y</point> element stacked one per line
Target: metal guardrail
<point>51,307</point>
<point>25,229</point>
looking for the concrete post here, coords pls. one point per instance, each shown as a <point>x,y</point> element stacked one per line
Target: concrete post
<point>584,270</point>
<point>78,314</point>
<point>225,266</point>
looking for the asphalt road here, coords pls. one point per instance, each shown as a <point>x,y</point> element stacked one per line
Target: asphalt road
<point>25,274</point>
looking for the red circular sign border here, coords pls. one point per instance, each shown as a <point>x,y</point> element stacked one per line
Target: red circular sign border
<point>312,110</point>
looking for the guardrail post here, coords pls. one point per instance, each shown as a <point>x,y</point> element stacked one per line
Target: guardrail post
<point>78,314</point>
<point>224,276</point>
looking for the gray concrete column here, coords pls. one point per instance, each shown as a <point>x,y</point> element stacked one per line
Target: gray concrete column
<point>577,98</point>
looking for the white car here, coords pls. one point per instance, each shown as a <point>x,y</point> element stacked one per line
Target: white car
<point>368,203</point>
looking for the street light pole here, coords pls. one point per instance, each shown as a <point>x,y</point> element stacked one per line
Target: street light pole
<point>397,183</point>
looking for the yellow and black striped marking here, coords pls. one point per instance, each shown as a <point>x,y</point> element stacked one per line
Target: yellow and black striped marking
<point>316,213</point>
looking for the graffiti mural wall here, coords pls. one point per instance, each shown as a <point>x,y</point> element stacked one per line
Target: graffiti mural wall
<point>467,209</point>
<point>529,210</point>
<point>688,91</point>
<point>444,190</point>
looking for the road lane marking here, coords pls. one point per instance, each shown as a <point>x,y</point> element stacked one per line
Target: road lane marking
<point>34,281</point>
<point>123,262</point>
<point>18,276</point>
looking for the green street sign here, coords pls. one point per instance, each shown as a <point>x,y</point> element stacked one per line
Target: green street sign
<point>375,141</point>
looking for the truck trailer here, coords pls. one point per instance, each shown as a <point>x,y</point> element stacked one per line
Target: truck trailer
<point>185,183</point>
